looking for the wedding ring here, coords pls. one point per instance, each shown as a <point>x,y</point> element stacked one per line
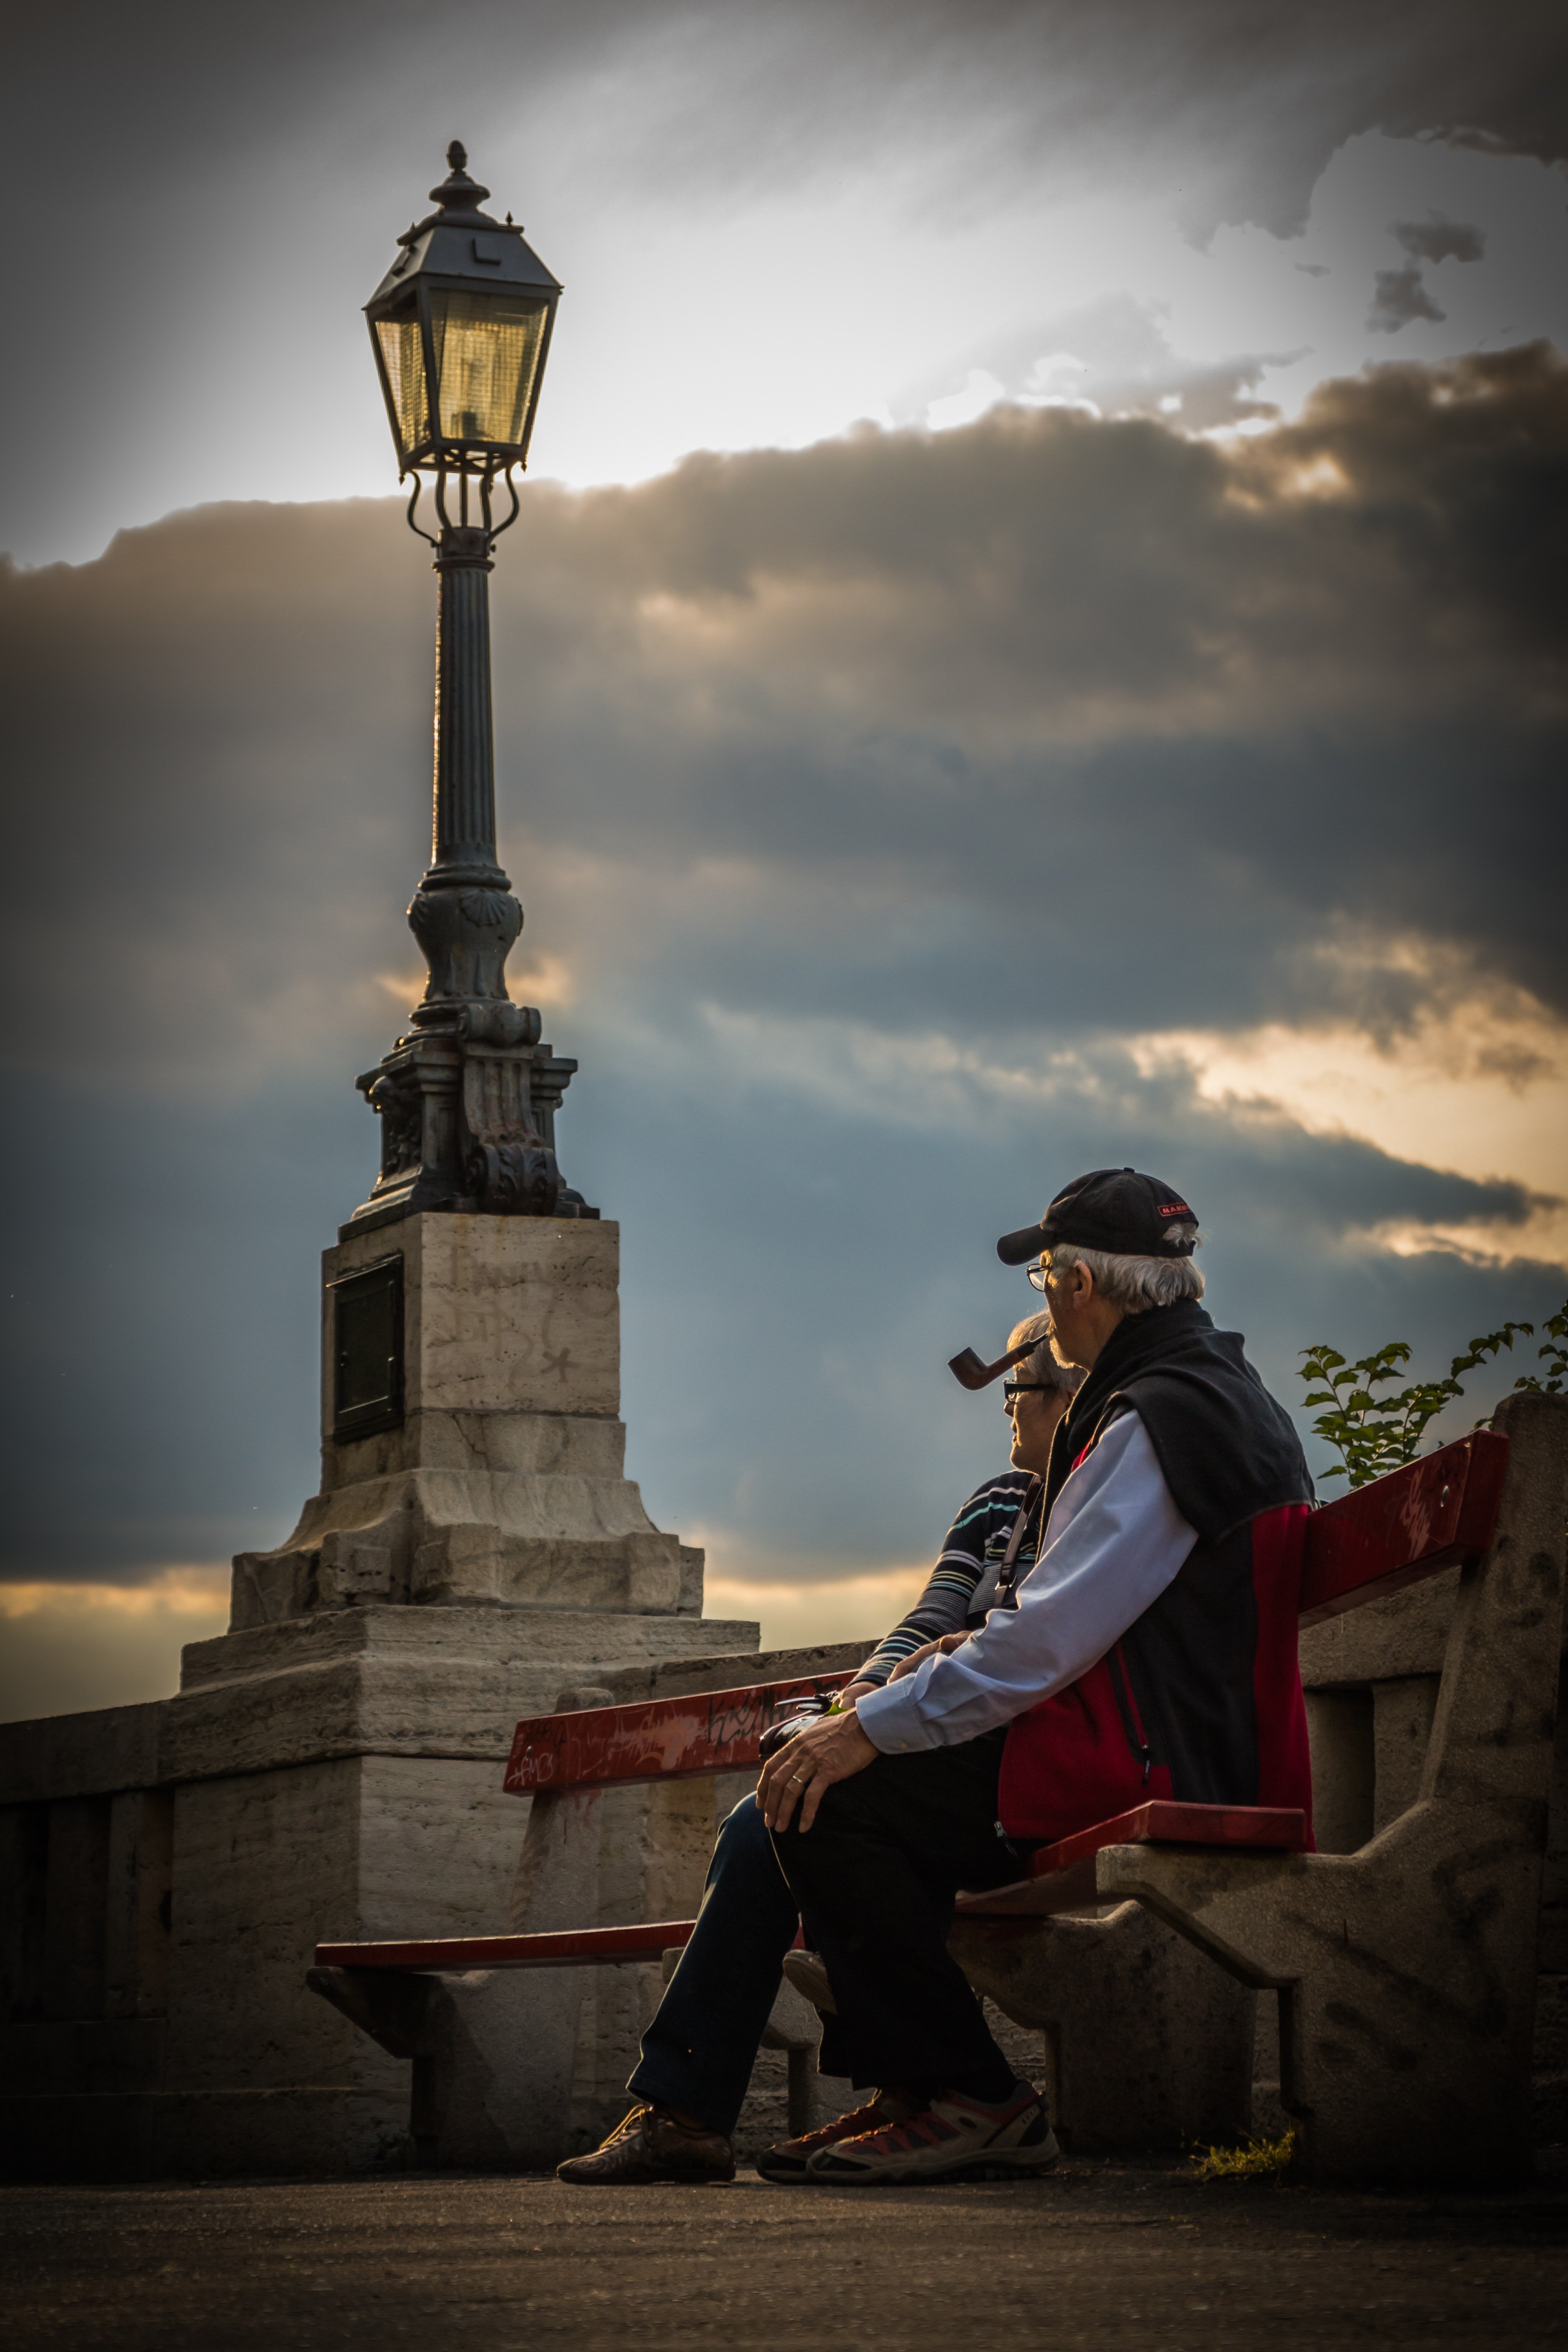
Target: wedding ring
<point>797,1780</point>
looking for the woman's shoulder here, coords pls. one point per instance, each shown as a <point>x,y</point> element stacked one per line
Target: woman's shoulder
<point>1004,1493</point>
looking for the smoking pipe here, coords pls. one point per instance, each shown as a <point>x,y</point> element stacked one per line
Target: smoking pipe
<point>968,1368</point>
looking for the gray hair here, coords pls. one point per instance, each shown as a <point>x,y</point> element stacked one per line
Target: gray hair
<point>1133,1284</point>
<point>1042,1365</point>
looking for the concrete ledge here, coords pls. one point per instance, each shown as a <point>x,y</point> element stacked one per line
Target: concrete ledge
<point>498,1636</point>
<point>398,1681</point>
<point>89,1755</point>
<point>669,1677</point>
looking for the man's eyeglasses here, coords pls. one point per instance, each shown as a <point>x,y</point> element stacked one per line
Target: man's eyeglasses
<point>1038,1272</point>
<point>1010,1388</point>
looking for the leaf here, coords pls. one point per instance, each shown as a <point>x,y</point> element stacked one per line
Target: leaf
<point>1372,1433</point>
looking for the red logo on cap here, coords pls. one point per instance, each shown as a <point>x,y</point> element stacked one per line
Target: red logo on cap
<point>1172,1209</point>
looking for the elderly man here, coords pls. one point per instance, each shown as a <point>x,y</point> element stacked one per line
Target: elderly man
<point>1150,1651</point>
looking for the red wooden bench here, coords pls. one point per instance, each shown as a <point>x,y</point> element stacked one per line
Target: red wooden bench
<point>1433,1514</point>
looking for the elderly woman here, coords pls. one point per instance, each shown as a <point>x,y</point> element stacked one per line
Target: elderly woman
<point>698,2052</point>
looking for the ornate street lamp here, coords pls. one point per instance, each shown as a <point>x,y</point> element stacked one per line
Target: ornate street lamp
<point>460,326</point>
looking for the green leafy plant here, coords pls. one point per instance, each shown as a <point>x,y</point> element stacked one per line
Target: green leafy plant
<point>1373,1433</point>
<point>1555,1353</point>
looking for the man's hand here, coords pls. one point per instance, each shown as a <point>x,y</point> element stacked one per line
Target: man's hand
<point>832,1748</point>
<point>948,1644</point>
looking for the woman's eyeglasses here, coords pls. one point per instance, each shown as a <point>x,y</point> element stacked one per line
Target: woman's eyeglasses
<point>1010,1388</point>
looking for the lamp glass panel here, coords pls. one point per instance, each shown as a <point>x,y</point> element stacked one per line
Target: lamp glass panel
<point>487,361</point>
<point>403,357</point>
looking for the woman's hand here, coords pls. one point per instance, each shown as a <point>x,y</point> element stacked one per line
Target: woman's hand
<point>945,1647</point>
<point>832,1748</point>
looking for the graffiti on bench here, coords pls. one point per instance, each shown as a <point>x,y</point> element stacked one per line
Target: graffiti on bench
<point>657,1739</point>
<point>1403,1527</point>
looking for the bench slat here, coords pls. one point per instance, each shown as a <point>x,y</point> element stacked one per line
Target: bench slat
<point>1061,1877</point>
<point>658,1739</point>
<point>576,1947</point>
<point>1430,1515</point>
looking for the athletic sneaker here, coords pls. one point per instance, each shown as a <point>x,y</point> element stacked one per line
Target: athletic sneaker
<point>955,2139</point>
<point>789,2160</point>
<point>805,1972</point>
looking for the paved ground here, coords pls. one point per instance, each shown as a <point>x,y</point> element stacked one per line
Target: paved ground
<point>1101,2254</point>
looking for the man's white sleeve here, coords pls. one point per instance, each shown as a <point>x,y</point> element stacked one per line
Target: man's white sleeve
<point>1113,1542</point>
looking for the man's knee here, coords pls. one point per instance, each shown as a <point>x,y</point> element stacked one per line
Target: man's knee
<point>744,1849</point>
<point>844,1807</point>
<point>742,1831</point>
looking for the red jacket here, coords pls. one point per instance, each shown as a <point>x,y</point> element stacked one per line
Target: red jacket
<point>1200,1700</point>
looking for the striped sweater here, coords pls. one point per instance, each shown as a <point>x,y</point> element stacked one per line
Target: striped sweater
<point>961,1588</point>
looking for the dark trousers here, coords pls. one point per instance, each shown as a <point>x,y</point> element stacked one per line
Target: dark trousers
<point>698,2052</point>
<point>875,1876</point>
<point>874,1879</point>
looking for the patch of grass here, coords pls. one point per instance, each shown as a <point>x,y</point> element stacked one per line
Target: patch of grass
<point>1254,2161</point>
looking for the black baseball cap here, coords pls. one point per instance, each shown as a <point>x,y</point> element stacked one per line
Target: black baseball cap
<point>1111,1209</point>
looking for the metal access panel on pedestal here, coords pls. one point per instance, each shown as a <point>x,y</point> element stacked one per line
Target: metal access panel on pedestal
<point>367,1348</point>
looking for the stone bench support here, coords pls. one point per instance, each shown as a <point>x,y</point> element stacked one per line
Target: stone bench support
<point>1406,1971</point>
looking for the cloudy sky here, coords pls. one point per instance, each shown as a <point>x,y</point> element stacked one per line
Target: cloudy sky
<point>1034,639</point>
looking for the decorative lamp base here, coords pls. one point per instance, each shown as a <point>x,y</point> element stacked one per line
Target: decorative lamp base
<point>469,1125</point>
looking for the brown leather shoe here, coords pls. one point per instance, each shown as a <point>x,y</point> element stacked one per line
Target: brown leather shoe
<point>651,2145</point>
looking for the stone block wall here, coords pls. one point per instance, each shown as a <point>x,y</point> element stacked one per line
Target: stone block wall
<point>166,1871</point>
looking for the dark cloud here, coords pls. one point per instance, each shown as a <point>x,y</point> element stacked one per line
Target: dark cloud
<point>869,804</point>
<point>1398,297</point>
<point>1441,240</point>
<point>169,101</point>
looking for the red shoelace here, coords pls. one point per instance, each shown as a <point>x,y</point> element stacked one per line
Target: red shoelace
<point>861,2123</point>
<point>902,2139</point>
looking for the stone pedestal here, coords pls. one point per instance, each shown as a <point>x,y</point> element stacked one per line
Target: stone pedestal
<point>331,1767</point>
<point>498,1478</point>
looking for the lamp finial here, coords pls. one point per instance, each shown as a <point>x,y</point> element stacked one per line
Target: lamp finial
<point>457,195</point>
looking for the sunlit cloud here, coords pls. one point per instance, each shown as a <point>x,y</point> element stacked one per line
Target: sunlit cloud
<point>69,1646</point>
<point>981,390</point>
<point>1467,1074</point>
<point>837,1604</point>
<point>176,1592</point>
<point>531,980</point>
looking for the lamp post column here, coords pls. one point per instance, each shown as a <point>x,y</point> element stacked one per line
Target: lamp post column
<point>464,914</point>
<point>466,1098</point>
<point>464,842</point>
